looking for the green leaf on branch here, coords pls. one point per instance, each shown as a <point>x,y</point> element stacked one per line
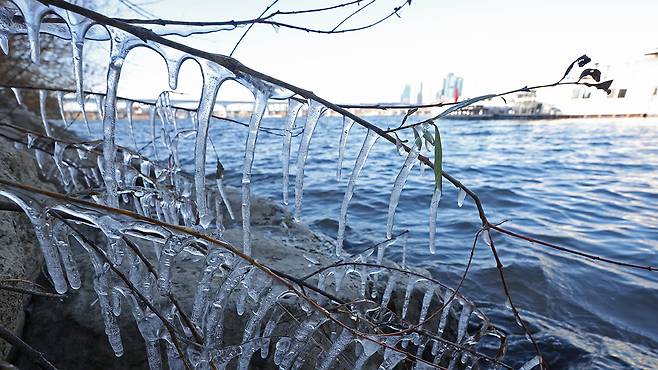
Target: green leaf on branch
<point>438,159</point>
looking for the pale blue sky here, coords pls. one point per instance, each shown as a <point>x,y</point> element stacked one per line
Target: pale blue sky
<point>494,45</point>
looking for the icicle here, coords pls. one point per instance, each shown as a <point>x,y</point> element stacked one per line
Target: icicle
<point>78,26</point>
<point>381,249</point>
<point>122,43</point>
<point>101,286</point>
<point>173,246</point>
<point>4,42</point>
<point>30,140</point>
<point>464,316</point>
<point>18,95</point>
<point>100,106</point>
<point>347,126</point>
<point>293,110</point>
<point>32,11</point>
<point>400,180</point>
<point>267,333</point>
<point>213,261</point>
<point>532,363</point>
<point>445,310</point>
<point>370,347</point>
<point>281,349</point>
<point>60,103</point>
<point>404,250</point>
<point>434,206</point>
<point>368,143</point>
<point>43,94</point>
<point>313,115</point>
<point>48,248</point>
<point>460,197</point>
<point>214,323</point>
<point>427,299</point>
<point>222,192</point>
<point>174,59</point>
<point>60,236</point>
<point>251,327</point>
<point>129,114</point>
<point>407,295</point>
<point>390,285</point>
<point>391,359</point>
<point>213,77</point>
<point>250,147</point>
<point>58,156</point>
<point>337,347</point>
<point>301,338</point>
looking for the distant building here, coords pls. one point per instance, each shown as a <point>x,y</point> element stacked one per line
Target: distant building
<point>452,88</point>
<point>419,97</point>
<point>405,98</point>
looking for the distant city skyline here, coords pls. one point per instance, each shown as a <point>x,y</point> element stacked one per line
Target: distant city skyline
<point>494,46</point>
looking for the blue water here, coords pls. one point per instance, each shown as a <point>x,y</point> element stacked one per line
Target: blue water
<point>588,185</point>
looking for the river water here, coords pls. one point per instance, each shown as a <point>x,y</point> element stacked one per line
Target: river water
<point>587,185</point>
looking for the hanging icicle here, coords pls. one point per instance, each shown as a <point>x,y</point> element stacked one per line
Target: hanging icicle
<point>314,111</point>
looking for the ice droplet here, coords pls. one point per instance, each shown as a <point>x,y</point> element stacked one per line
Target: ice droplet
<point>460,197</point>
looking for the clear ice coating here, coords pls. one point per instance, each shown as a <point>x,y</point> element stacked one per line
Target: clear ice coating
<point>368,143</point>
<point>250,148</point>
<point>160,190</point>
<point>344,133</point>
<point>434,207</point>
<point>213,77</point>
<point>314,111</point>
<point>400,180</point>
<point>293,110</point>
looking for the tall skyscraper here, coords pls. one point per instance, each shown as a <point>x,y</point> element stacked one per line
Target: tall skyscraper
<point>405,98</point>
<point>419,97</point>
<point>452,88</point>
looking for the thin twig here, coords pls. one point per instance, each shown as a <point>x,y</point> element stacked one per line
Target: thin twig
<point>25,348</point>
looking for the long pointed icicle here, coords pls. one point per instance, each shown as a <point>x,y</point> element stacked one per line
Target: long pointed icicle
<point>32,11</point>
<point>78,26</point>
<point>122,43</point>
<point>313,115</point>
<point>250,147</point>
<point>434,206</point>
<point>213,77</point>
<point>400,180</point>
<point>43,94</point>
<point>129,114</point>
<point>347,126</point>
<point>60,104</point>
<point>368,143</point>
<point>293,110</point>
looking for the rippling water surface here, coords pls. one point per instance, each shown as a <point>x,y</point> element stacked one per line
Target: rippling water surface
<point>588,185</point>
